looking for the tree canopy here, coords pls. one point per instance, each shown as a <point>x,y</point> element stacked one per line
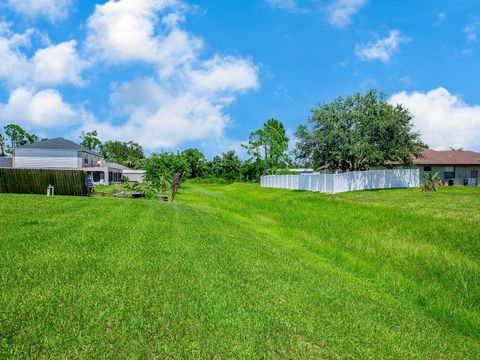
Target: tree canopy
<point>197,162</point>
<point>90,140</point>
<point>18,136</point>
<point>226,166</point>
<point>127,153</point>
<point>163,165</point>
<point>358,132</point>
<point>268,147</point>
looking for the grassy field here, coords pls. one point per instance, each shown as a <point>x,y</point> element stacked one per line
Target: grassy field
<point>236,271</point>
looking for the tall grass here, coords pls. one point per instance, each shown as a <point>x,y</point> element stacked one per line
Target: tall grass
<point>236,271</point>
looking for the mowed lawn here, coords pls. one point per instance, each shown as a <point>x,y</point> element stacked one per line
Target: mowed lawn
<point>236,271</point>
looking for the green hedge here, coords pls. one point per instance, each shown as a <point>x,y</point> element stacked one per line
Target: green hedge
<point>36,181</point>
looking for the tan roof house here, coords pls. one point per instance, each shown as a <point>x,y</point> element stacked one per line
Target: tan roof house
<point>455,167</point>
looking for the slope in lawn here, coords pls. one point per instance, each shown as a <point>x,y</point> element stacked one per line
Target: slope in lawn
<point>240,271</point>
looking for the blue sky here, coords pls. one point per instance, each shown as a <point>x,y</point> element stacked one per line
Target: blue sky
<point>172,74</point>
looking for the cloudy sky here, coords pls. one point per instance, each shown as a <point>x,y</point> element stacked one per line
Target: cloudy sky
<point>172,74</point>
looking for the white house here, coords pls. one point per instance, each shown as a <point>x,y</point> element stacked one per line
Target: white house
<point>63,154</point>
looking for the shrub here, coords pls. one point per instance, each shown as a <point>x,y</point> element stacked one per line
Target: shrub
<point>430,184</point>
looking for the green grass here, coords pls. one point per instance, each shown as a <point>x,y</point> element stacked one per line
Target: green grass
<point>236,271</point>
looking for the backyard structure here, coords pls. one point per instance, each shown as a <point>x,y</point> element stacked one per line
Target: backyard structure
<point>63,154</point>
<point>37,181</point>
<point>344,182</point>
<point>454,167</point>
<point>134,175</point>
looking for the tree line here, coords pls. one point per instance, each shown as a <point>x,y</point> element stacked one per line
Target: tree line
<point>267,148</point>
<point>357,132</point>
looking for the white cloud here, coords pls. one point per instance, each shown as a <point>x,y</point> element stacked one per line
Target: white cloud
<point>442,17</point>
<point>15,66</point>
<point>127,30</point>
<point>382,49</point>
<point>283,4</point>
<point>185,98</point>
<point>340,12</point>
<point>42,110</point>
<point>158,118</point>
<point>52,9</point>
<point>471,31</point>
<point>58,64</point>
<point>188,99</point>
<point>53,65</point>
<point>225,74</point>
<point>443,119</point>
<point>175,50</point>
<point>162,116</point>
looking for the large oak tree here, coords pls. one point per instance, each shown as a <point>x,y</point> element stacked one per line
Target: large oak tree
<point>358,132</point>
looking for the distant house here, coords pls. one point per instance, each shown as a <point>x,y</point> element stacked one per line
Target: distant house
<point>454,167</point>
<point>63,154</point>
<point>134,175</point>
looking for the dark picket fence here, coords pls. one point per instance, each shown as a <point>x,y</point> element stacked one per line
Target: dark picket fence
<point>36,181</point>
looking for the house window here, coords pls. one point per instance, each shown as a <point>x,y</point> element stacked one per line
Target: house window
<point>449,172</point>
<point>427,168</point>
<point>85,160</point>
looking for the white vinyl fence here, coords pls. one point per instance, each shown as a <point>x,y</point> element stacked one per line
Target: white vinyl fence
<point>344,182</point>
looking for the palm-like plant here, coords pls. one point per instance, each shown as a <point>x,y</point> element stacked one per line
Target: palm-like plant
<point>164,183</point>
<point>430,184</point>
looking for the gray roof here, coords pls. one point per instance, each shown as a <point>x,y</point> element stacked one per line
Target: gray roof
<point>116,166</point>
<point>56,144</point>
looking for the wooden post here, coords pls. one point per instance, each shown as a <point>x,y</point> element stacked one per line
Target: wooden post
<point>177,178</point>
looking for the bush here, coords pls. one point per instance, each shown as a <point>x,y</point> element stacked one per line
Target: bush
<point>161,167</point>
<point>430,184</point>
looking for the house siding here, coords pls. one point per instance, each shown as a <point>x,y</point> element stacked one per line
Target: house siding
<point>87,160</point>
<point>46,159</point>
<point>462,172</point>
